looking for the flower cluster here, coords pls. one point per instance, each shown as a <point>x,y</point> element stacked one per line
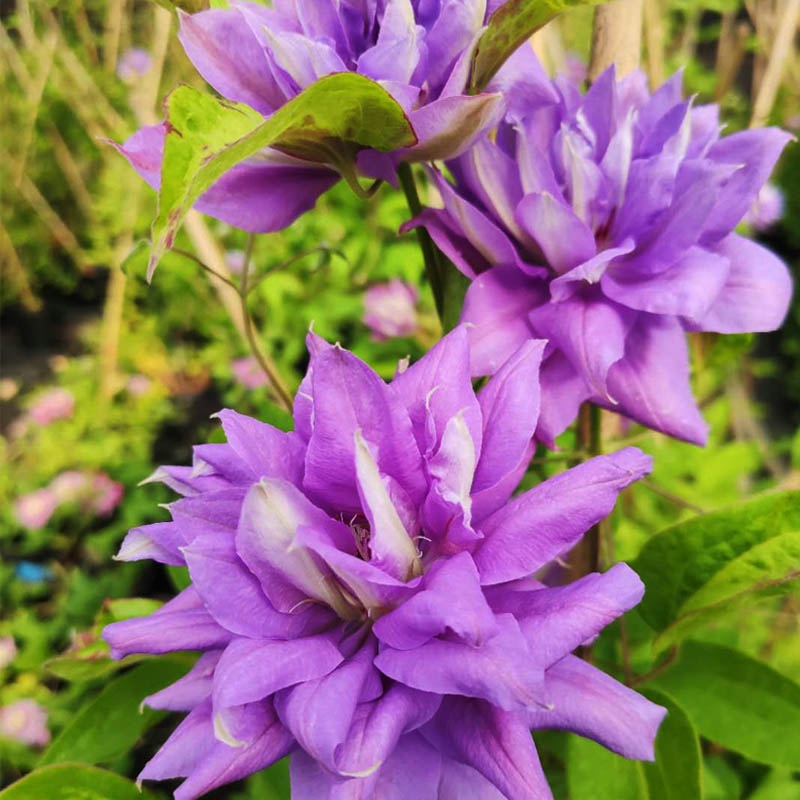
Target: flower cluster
<point>418,51</point>
<point>604,223</point>
<point>362,590</point>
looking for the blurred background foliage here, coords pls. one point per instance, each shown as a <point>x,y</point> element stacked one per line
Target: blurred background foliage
<point>105,377</point>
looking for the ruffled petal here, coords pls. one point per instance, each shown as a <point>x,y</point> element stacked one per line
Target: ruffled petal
<point>549,519</point>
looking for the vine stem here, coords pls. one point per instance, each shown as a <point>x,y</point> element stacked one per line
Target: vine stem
<point>433,267</point>
<point>282,392</point>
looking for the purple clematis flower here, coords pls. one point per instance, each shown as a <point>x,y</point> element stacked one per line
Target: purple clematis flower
<point>363,594</point>
<point>419,51</point>
<point>603,223</point>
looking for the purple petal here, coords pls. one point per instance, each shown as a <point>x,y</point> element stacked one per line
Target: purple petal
<point>686,289</point>
<point>589,272</point>
<point>589,702</point>
<point>439,385</point>
<point>756,294</point>
<point>557,620</point>
<point>267,451</point>
<point>412,756</point>
<point>223,49</point>
<point>451,601</point>
<point>449,126</point>
<point>223,764</point>
<point>252,669</point>
<point>564,238</point>
<point>549,519</point>
<point>755,152</point>
<point>272,515</point>
<point>563,391</point>
<point>590,331</point>
<point>319,713</point>
<point>651,384</point>
<point>181,624</point>
<point>501,670</point>
<point>461,782</point>
<point>160,542</point>
<point>349,396</point>
<point>510,408</point>
<point>496,743</point>
<point>377,729</point>
<point>189,691</point>
<point>496,308</point>
<point>397,51</point>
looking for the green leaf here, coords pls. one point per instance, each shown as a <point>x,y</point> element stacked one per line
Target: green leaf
<point>716,562</point>
<point>677,773</point>
<point>112,723</point>
<point>594,773</point>
<point>73,782</point>
<point>328,123</point>
<point>738,702</point>
<point>778,785</point>
<point>508,28</point>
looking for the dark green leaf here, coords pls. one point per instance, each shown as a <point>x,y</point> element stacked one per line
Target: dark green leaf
<point>111,725</point>
<point>73,782</point>
<point>738,702</point>
<point>594,773</point>
<point>508,28</point>
<point>713,563</point>
<point>327,123</point>
<point>677,773</point>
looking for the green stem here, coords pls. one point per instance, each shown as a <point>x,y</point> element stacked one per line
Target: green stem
<point>433,266</point>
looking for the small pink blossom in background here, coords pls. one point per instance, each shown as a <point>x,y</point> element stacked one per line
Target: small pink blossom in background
<point>33,510</point>
<point>96,493</point>
<point>53,405</point>
<point>25,721</point>
<point>248,373</point>
<point>138,385</point>
<point>235,261</point>
<point>107,494</point>
<point>133,64</point>
<point>390,309</point>
<point>70,486</point>
<point>767,208</point>
<point>575,69</point>
<point>8,650</point>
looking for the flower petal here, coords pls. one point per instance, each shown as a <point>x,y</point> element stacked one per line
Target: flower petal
<point>451,601</point>
<point>589,702</point>
<point>549,519</point>
<point>252,669</point>
<point>756,294</point>
<point>496,312</point>
<point>651,384</point>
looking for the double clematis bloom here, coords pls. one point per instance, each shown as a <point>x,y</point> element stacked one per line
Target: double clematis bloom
<point>362,591</point>
<point>419,51</point>
<point>604,224</point>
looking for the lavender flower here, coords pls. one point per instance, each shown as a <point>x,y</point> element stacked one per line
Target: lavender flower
<point>766,209</point>
<point>24,721</point>
<point>390,309</point>
<point>603,223</point>
<point>133,64</point>
<point>419,51</point>
<point>362,591</point>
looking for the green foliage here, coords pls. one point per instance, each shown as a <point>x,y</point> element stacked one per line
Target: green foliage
<point>328,123</point>
<point>114,721</point>
<point>73,782</point>
<point>594,773</point>
<point>736,701</point>
<point>717,562</point>
<point>508,28</point>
